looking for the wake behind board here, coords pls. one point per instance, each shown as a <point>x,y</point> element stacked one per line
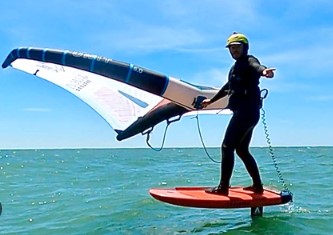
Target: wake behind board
<point>237,198</point>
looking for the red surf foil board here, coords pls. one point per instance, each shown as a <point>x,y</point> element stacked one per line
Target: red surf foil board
<point>237,198</point>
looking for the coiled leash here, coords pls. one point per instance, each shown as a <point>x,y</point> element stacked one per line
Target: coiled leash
<point>263,95</point>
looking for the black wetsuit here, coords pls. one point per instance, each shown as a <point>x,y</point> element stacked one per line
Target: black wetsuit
<point>244,101</point>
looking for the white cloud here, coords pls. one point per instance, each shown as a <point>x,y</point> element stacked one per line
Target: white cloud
<point>145,39</point>
<point>214,77</point>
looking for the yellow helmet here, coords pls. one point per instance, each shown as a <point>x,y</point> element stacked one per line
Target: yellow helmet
<point>237,38</point>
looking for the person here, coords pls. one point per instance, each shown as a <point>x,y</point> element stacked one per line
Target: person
<point>245,102</point>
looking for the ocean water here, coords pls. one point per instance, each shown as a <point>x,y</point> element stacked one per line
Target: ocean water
<point>105,191</point>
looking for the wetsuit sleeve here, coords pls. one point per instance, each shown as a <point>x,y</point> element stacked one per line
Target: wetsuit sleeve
<point>255,64</point>
<point>221,93</point>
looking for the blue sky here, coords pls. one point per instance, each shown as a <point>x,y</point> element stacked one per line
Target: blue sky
<point>184,39</point>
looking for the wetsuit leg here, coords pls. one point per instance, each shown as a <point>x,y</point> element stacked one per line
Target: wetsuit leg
<point>250,163</point>
<point>227,164</point>
<point>228,149</point>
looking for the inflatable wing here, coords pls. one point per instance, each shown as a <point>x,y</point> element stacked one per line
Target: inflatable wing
<point>130,98</point>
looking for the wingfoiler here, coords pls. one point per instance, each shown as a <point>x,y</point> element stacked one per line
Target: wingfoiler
<point>133,99</point>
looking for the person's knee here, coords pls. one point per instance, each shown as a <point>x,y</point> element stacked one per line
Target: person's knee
<point>227,149</point>
<point>242,152</point>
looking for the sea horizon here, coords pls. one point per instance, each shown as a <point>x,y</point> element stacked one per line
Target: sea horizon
<point>176,147</point>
